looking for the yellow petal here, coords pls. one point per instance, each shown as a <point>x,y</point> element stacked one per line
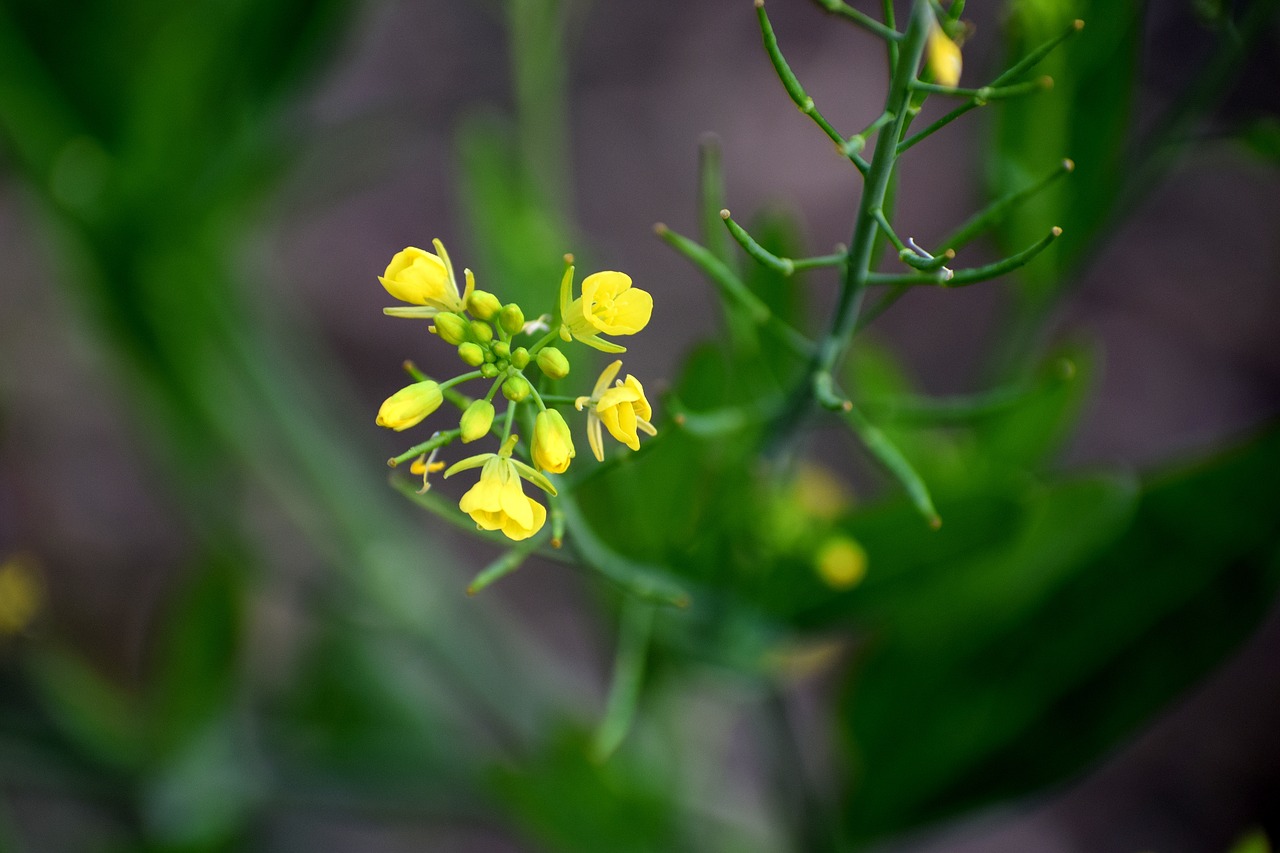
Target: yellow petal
<point>945,60</point>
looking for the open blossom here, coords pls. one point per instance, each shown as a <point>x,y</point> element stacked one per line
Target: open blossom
<point>623,409</point>
<point>609,305</point>
<point>497,501</point>
<point>422,279</point>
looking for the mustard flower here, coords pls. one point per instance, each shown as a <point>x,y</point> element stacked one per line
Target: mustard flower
<point>944,57</point>
<point>497,501</point>
<point>552,442</point>
<point>623,409</point>
<point>408,406</point>
<point>426,281</point>
<point>609,305</point>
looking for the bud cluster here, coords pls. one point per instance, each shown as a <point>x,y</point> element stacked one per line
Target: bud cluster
<point>495,342</point>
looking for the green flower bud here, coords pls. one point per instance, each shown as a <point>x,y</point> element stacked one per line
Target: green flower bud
<point>500,349</point>
<point>488,371</point>
<point>552,363</point>
<point>476,420</point>
<point>489,356</point>
<point>502,364</point>
<point>519,358</point>
<point>451,327</point>
<point>511,318</point>
<point>483,304</point>
<point>472,354</point>
<point>481,331</point>
<point>516,388</point>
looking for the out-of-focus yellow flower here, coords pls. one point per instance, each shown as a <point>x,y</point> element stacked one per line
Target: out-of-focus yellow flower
<point>622,408</point>
<point>819,493</point>
<point>944,57</point>
<point>408,406</point>
<point>609,305</point>
<point>20,594</point>
<point>425,280</point>
<point>841,562</point>
<point>425,466</point>
<point>552,442</point>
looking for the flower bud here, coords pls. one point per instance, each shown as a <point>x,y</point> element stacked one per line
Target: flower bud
<point>476,420</point>
<point>519,358</point>
<point>408,406</point>
<point>472,354</point>
<point>488,371</point>
<point>511,318</point>
<point>552,442</point>
<point>515,388</point>
<point>552,363</point>
<point>481,331</point>
<point>451,327</point>
<point>483,304</point>
<point>501,349</point>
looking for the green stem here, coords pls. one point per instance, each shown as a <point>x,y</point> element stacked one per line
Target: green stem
<point>504,565</point>
<point>458,380</point>
<point>998,209</point>
<point>868,23</point>
<point>634,631</point>
<point>857,268</point>
<point>963,278</point>
<point>440,439</point>
<point>888,454</point>
<point>798,95</point>
<point>544,340</point>
<point>985,94</point>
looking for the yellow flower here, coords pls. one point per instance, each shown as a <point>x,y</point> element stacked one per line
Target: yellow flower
<point>21,595</point>
<point>426,280</point>
<point>552,442</point>
<point>497,501</point>
<point>408,406</point>
<point>841,562</point>
<point>609,305</point>
<point>943,57</point>
<point>622,408</point>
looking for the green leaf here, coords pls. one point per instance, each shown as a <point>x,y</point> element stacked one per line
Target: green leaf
<point>995,674</point>
<point>97,715</point>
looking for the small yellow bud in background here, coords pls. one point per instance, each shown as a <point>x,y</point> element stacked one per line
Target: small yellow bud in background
<point>472,354</point>
<point>552,442</point>
<point>481,331</point>
<point>944,57</point>
<point>552,363</point>
<point>512,319</point>
<point>21,595</point>
<point>519,358</point>
<point>451,328</point>
<point>515,388</point>
<point>408,406</point>
<point>483,304</point>
<point>476,420</point>
<point>841,562</point>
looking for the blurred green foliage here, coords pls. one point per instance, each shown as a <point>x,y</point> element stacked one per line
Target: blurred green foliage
<point>1051,616</point>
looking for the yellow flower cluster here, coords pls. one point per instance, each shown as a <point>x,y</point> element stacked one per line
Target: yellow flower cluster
<point>495,343</point>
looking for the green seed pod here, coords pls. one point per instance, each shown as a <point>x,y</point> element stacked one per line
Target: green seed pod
<point>511,318</point>
<point>519,358</point>
<point>552,363</point>
<point>476,420</point>
<point>483,304</point>
<point>500,349</point>
<point>488,371</point>
<point>472,354</point>
<point>481,331</point>
<point>451,327</point>
<point>515,389</point>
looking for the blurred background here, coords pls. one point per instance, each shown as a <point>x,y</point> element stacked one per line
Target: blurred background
<point>221,629</point>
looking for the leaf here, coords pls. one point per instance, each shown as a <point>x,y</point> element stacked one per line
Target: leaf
<point>1009,671</point>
